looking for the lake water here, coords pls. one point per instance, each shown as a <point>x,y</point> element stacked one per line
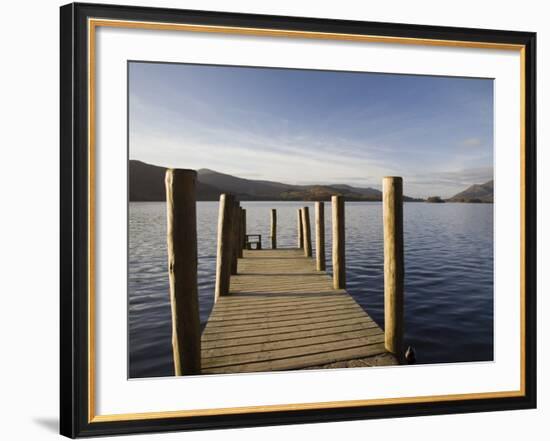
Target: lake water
<point>448,274</point>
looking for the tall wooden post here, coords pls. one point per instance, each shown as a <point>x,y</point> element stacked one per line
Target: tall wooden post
<point>300,228</point>
<point>181,216</point>
<point>235,216</point>
<point>320,235</point>
<point>338,243</point>
<point>307,231</point>
<point>225,247</point>
<point>394,271</point>
<point>273,228</point>
<point>239,237</point>
<point>243,225</point>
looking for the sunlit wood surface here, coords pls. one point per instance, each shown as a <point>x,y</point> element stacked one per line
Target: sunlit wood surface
<point>282,314</point>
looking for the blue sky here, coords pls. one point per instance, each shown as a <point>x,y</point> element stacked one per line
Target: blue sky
<point>305,127</point>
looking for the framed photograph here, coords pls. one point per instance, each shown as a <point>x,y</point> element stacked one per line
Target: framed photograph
<point>273,220</point>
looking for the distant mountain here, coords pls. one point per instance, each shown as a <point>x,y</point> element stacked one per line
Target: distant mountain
<point>475,193</point>
<point>147,184</point>
<point>368,192</point>
<point>245,189</point>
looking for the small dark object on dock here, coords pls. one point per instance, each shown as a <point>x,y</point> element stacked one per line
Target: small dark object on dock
<point>410,355</point>
<point>257,242</point>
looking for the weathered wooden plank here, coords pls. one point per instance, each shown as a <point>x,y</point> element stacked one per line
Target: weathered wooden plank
<point>280,253</point>
<point>262,314</point>
<point>233,301</point>
<point>295,351</point>
<point>209,336</point>
<point>281,284</point>
<point>267,268</point>
<point>292,335</point>
<point>384,359</point>
<point>373,335</point>
<point>287,322</point>
<point>284,288</point>
<point>290,317</point>
<point>301,362</point>
<point>277,310</point>
<point>279,302</point>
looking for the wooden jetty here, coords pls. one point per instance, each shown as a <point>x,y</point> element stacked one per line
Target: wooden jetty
<point>281,313</point>
<point>278,309</point>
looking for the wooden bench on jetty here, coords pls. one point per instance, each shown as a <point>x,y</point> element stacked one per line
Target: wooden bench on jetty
<point>278,309</point>
<point>249,241</point>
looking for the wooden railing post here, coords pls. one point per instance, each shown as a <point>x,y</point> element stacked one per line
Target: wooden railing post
<point>394,271</point>
<point>235,216</point>
<point>181,216</point>
<point>243,226</point>
<point>273,228</point>
<point>224,250</point>
<point>338,243</point>
<point>320,235</point>
<point>307,231</point>
<point>300,228</point>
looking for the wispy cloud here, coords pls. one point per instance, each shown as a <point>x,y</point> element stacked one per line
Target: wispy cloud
<point>447,183</point>
<point>471,142</point>
<point>265,159</point>
<point>304,128</point>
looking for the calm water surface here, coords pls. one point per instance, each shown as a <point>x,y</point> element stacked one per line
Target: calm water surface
<point>448,274</point>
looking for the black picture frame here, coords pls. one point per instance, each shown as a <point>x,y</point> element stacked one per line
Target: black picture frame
<point>74,191</point>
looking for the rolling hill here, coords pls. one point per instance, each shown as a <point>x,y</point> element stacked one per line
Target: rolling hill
<point>475,193</point>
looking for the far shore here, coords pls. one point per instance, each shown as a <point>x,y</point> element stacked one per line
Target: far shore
<point>347,200</point>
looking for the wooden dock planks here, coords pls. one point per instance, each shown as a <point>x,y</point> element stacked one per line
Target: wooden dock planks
<point>283,314</point>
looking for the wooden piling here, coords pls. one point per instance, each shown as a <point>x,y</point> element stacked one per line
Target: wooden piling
<point>393,264</point>
<point>239,237</point>
<point>338,243</point>
<point>306,231</point>
<point>181,216</point>
<point>243,227</point>
<point>225,250</point>
<point>235,216</point>
<point>273,228</point>
<point>300,228</point>
<point>320,235</point>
